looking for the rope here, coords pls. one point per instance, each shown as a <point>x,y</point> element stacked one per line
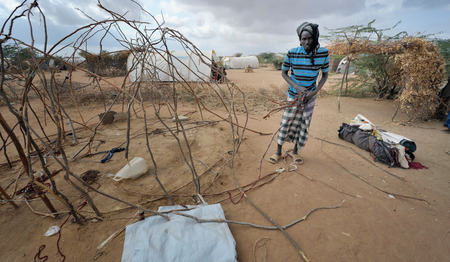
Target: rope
<point>38,254</point>
<point>42,247</point>
<point>111,153</point>
<point>29,191</point>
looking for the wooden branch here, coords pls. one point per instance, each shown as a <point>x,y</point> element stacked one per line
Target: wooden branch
<point>6,196</point>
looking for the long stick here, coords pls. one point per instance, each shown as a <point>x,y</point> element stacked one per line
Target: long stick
<point>22,156</point>
<point>6,196</point>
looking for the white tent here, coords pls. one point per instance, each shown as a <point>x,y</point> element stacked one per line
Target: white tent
<point>240,62</point>
<point>176,66</point>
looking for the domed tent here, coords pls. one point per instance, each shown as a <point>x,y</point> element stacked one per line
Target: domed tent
<point>240,62</point>
<point>173,66</point>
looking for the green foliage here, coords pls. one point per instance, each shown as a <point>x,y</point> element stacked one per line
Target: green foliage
<point>278,62</point>
<point>444,48</point>
<point>364,32</point>
<point>379,73</point>
<point>272,58</point>
<point>19,56</point>
<point>353,88</point>
<point>337,57</point>
<point>265,58</point>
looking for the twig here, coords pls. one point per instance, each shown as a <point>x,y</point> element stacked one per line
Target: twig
<point>220,220</point>
<point>118,232</point>
<point>53,215</point>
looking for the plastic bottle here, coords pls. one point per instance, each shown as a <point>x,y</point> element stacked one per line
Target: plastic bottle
<point>133,169</point>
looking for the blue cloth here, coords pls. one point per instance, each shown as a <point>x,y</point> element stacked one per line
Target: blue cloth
<point>447,123</point>
<point>111,153</point>
<point>303,72</point>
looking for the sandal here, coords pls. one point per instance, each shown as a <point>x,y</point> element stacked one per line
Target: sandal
<point>274,158</point>
<point>297,159</point>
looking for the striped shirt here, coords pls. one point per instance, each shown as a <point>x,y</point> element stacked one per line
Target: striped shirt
<point>303,72</point>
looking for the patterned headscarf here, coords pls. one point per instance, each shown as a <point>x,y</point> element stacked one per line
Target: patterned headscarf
<point>313,29</point>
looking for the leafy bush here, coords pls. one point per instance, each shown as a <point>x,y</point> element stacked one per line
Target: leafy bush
<point>380,73</point>
<point>272,58</point>
<point>278,62</point>
<point>444,48</point>
<point>337,57</point>
<point>19,56</point>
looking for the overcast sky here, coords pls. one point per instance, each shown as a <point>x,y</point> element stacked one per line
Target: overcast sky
<point>238,26</point>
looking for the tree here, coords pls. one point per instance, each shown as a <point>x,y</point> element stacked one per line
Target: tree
<point>266,57</point>
<point>444,48</point>
<point>19,56</point>
<point>377,70</point>
<point>380,73</point>
<point>271,58</point>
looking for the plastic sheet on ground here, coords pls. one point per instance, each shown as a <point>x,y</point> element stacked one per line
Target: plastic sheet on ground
<point>181,238</point>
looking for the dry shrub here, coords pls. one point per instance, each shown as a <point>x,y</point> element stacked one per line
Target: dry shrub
<point>107,64</point>
<point>265,97</point>
<point>208,94</point>
<point>424,70</point>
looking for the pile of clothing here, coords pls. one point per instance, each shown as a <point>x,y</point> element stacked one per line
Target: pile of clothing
<point>385,147</point>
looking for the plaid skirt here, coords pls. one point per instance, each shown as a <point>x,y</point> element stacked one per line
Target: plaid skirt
<point>295,123</point>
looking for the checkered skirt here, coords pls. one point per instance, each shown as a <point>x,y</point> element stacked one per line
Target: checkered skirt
<point>295,124</point>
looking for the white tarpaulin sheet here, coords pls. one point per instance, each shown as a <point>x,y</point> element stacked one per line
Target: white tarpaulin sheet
<point>173,66</point>
<point>240,62</point>
<point>181,238</point>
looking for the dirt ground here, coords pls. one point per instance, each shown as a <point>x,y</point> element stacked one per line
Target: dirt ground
<point>375,213</point>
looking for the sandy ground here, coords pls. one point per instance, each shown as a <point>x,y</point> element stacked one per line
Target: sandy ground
<point>388,214</point>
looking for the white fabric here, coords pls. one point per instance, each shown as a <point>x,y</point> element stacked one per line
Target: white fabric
<point>401,155</point>
<point>240,62</point>
<point>392,138</point>
<point>183,66</point>
<point>181,238</point>
<point>362,122</point>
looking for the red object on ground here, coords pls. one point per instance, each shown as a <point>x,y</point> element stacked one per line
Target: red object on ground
<point>416,165</point>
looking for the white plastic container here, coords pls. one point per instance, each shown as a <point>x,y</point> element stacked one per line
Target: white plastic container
<point>133,169</point>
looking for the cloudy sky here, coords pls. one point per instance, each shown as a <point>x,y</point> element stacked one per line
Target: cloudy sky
<point>235,26</point>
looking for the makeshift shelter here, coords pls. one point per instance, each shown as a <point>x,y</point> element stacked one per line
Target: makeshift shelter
<point>173,66</point>
<point>240,62</point>
<point>420,64</point>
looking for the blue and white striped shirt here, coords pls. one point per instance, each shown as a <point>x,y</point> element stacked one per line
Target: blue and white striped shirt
<point>303,72</point>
